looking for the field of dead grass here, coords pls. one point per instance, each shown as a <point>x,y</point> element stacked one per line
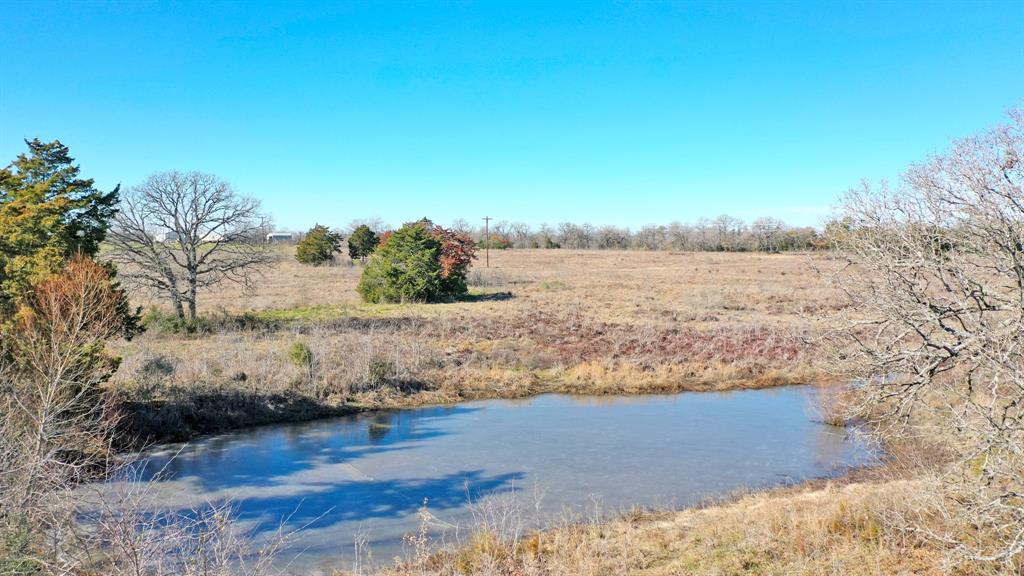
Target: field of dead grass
<point>836,528</point>
<point>536,321</point>
<point>871,521</point>
<point>549,321</point>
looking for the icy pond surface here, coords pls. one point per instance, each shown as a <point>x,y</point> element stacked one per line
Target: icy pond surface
<point>367,476</point>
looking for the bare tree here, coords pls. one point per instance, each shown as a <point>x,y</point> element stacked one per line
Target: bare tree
<point>375,224</point>
<point>766,234</point>
<point>612,238</point>
<point>520,232</point>
<point>576,236</point>
<point>56,420</point>
<point>178,233</point>
<point>462,226</point>
<point>936,270</point>
<point>651,237</point>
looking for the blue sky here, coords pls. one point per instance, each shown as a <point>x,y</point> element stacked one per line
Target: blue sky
<point>614,113</point>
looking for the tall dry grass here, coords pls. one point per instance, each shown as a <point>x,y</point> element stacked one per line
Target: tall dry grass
<point>835,528</point>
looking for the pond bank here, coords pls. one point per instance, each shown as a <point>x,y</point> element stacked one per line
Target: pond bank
<point>187,413</point>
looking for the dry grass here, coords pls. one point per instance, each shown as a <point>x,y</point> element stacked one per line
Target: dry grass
<point>835,528</point>
<point>537,321</point>
<point>699,289</point>
<point>866,523</point>
<point>554,321</point>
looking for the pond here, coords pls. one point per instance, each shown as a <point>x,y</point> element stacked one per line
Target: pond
<point>367,476</point>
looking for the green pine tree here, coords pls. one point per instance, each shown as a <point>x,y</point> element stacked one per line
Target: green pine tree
<point>406,268</point>
<point>318,247</point>
<point>47,214</point>
<point>362,243</point>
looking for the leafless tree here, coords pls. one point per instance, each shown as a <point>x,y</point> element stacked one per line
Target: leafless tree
<point>679,235</point>
<point>520,232</point>
<point>611,238</point>
<point>179,233</point>
<point>651,237</point>
<point>462,226</point>
<point>57,426</point>
<point>702,234</point>
<point>936,269</point>
<point>766,234</point>
<point>576,236</point>
<point>56,421</point>
<point>500,229</point>
<point>377,225</point>
<point>56,417</point>
<point>727,231</point>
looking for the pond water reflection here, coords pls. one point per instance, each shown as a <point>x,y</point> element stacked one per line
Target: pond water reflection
<point>369,474</point>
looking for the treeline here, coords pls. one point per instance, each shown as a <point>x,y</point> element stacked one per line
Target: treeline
<point>722,234</point>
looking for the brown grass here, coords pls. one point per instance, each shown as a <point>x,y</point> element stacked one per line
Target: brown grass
<point>853,525</point>
<point>537,321</point>
<point>823,528</point>
<point>555,321</point>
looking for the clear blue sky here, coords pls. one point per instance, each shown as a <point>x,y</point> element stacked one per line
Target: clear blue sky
<point>624,113</point>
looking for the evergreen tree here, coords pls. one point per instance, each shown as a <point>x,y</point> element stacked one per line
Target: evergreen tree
<point>406,268</point>
<point>47,214</point>
<point>362,243</point>
<point>419,262</point>
<point>318,247</point>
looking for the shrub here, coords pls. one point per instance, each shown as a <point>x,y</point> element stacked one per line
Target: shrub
<point>161,322</point>
<point>301,355</point>
<point>495,242</point>
<point>381,371</point>
<point>156,367</point>
<point>318,247</point>
<point>362,243</point>
<point>420,262</point>
<point>457,253</point>
<point>405,268</point>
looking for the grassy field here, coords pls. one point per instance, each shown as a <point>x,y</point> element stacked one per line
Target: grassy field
<point>302,346</point>
<point>536,321</point>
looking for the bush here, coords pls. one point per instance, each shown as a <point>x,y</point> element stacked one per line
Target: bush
<point>161,322</point>
<point>495,242</point>
<point>405,268</point>
<point>457,253</point>
<point>362,243</point>
<point>318,247</point>
<point>156,367</point>
<point>419,262</point>
<point>381,371</point>
<point>301,355</point>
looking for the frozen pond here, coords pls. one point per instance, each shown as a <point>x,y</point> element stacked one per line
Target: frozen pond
<point>369,474</point>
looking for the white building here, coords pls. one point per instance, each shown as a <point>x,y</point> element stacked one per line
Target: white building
<point>280,237</point>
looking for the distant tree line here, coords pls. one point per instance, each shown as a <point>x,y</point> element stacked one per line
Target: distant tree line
<point>722,234</point>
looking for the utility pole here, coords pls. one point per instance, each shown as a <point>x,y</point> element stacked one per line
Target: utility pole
<point>487,240</point>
